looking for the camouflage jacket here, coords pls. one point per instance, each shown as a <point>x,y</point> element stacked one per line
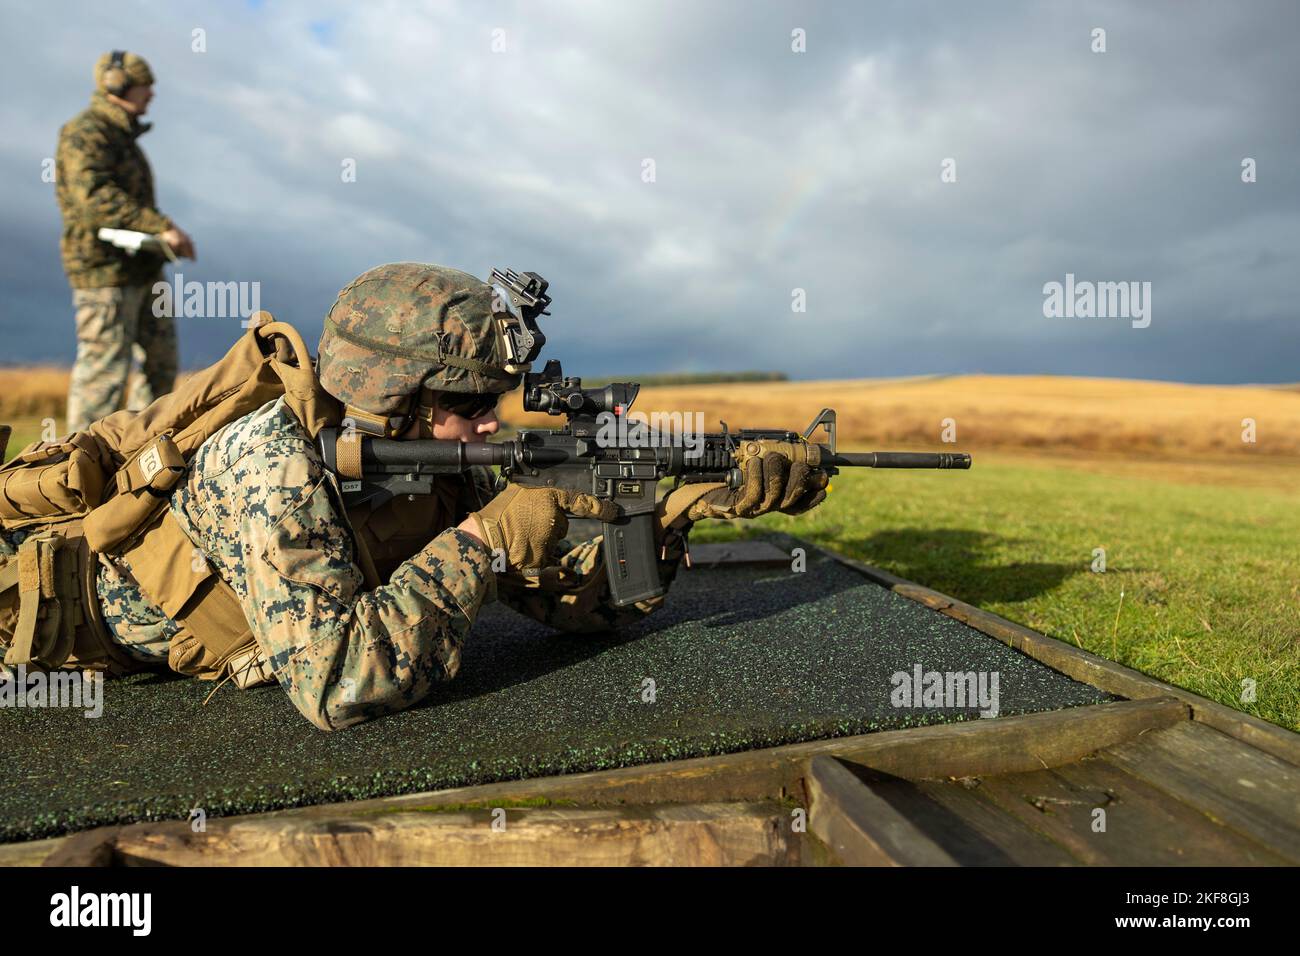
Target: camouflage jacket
<point>103,180</point>
<point>261,506</point>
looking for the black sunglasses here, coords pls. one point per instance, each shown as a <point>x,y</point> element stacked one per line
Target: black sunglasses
<point>467,406</point>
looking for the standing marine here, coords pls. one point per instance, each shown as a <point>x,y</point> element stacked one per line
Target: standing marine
<point>104,181</point>
<point>207,535</point>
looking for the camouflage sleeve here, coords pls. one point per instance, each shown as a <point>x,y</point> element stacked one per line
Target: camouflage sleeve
<point>271,522</point>
<point>86,169</point>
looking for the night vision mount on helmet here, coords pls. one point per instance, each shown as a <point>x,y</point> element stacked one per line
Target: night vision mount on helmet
<point>518,299</point>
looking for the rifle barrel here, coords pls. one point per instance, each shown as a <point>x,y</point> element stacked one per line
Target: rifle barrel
<point>454,455</point>
<point>897,459</point>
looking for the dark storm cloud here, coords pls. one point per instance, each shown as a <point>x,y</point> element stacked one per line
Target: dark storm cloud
<point>775,171</point>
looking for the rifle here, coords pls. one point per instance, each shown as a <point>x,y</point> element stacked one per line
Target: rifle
<point>603,452</point>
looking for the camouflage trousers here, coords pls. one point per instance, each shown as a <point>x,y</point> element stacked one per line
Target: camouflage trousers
<point>114,326</point>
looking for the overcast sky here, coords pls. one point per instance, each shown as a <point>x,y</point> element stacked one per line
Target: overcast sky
<point>774,170</point>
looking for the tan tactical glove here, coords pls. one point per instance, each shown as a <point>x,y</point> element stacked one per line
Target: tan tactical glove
<point>527,523</point>
<point>771,483</point>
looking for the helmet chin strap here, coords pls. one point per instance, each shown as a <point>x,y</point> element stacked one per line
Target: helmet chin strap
<point>425,410</point>
<point>377,426</point>
<point>421,410</point>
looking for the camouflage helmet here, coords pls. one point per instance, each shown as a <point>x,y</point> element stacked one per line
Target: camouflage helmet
<point>407,324</point>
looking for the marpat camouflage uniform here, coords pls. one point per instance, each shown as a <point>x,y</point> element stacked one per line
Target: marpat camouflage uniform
<point>261,506</point>
<point>114,325</point>
<point>104,180</point>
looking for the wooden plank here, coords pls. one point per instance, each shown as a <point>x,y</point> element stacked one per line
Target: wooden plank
<point>1251,792</point>
<point>95,847</point>
<point>1084,666</point>
<point>1013,744</point>
<point>975,831</point>
<point>1153,828</point>
<point>859,827</point>
<point>1060,811</point>
<point>31,853</point>
<point>1047,818</point>
<point>1045,803</point>
<point>998,745</point>
<point>1143,826</point>
<point>695,835</point>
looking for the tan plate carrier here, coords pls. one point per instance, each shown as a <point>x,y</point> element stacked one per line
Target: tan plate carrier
<point>106,490</point>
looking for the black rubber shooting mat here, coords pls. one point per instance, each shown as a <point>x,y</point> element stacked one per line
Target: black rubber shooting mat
<point>741,657</point>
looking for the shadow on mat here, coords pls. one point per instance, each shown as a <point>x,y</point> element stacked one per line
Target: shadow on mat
<point>152,678</point>
<point>514,649</point>
<point>779,593</point>
<point>492,667</point>
<point>929,556</point>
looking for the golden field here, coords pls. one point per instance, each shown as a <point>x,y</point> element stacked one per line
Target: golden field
<point>1118,417</point>
<point>37,392</point>
<point>1111,418</point>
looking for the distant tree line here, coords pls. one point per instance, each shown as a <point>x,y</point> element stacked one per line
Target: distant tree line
<point>689,378</point>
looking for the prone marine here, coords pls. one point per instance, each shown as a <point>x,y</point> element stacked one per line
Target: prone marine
<point>206,534</point>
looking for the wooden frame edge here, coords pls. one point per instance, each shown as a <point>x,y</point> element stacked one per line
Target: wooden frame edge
<point>1003,745</point>
<point>1083,665</point>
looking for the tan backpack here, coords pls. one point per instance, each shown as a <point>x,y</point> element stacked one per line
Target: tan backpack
<point>106,490</point>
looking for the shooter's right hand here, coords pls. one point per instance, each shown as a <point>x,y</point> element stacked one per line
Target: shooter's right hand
<point>527,523</point>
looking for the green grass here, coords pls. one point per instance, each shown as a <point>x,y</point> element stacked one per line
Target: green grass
<point>1210,596</point>
<point>25,431</point>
